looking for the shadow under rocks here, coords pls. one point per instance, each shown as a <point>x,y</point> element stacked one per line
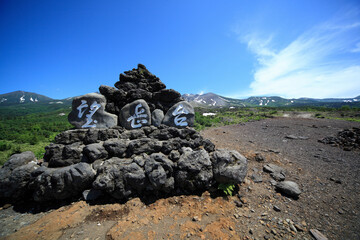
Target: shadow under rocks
<point>28,206</point>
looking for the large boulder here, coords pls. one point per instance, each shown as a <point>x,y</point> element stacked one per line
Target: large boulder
<point>113,94</point>
<point>180,115</point>
<point>135,115</point>
<point>16,174</point>
<point>195,171</point>
<point>229,166</point>
<point>167,95</point>
<point>61,183</point>
<point>94,151</point>
<point>19,159</point>
<point>159,170</point>
<point>116,147</point>
<point>88,111</point>
<point>121,178</point>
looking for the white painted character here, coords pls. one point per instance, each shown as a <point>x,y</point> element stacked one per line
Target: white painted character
<point>93,108</point>
<point>137,120</point>
<point>79,108</point>
<point>180,121</point>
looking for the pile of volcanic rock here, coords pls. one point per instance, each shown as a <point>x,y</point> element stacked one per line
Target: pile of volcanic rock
<point>348,139</point>
<point>134,140</point>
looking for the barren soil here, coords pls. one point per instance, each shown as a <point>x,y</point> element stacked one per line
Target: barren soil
<point>328,177</point>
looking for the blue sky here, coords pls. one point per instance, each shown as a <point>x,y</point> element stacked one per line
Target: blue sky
<point>232,48</point>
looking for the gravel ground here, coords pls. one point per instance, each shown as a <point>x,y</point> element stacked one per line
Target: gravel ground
<point>328,177</point>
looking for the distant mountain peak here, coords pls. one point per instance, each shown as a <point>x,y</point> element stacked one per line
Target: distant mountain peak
<point>19,97</point>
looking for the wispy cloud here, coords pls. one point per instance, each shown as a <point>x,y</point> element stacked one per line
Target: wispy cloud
<point>322,62</point>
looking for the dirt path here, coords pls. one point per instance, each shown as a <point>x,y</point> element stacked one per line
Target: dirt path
<point>331,206</point>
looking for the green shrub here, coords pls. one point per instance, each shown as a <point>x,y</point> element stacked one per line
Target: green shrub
<point>227,188</point>
<point>5,146</point>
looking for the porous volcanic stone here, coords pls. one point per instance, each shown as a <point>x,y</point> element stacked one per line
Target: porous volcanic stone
<point>195,171</point>
<point>15,175</point>
<point>135,115</point>
<point>229,166</point>
<point>157,117</point>
<point>88,111</point>
<point>116,147</point>
<point>61,183</point>
<point>18,160</point>
<point>144,145</point>
<point>180,115</point>
<point>159,170</point>
<point>121,178</point>
<point>167,95</point>
<point>94,152</point>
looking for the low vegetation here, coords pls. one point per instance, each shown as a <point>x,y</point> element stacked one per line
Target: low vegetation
<point>30,132</point>
<point>222,116</point>
<point>33,128</point>
<point>227,188</point>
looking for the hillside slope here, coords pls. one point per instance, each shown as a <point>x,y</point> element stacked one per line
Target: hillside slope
<point>214,100</point>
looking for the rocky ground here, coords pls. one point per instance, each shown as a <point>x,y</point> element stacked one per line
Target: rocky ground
<point>326,174</point>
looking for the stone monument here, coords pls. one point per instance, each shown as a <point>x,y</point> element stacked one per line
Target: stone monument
<point>131,140</point>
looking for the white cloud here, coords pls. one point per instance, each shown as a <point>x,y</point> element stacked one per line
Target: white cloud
<point>322,62</point>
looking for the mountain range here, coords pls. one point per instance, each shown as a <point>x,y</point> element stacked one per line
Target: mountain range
<point>214,100</point>
<point>197,100</point>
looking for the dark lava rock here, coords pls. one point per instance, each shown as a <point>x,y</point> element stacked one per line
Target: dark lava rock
<point>14,178</point>
<point>18,160</point>
<point>180,115</point>
<point>276,172</point>
<point>61,183</point>
<point>167,95</point>
<point>289,188</point>
<point>121,178</point>
<point>88,111</point>
<point>92,194</point>
<point>195,171</point>
<point>229,166</point>
<point>348,139</point>
<point>144,145</point>
<point>71,136</point>
<point>256,178</point>
<point>157,117</point>
<point>116,147</point>
<point>94,152</point>
<point>159,170</point>
<point>135,115</point>
<point>278,176</point>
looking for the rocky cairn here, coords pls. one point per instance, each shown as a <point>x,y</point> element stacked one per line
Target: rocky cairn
<point>134,140</point>
<point>348,139</point>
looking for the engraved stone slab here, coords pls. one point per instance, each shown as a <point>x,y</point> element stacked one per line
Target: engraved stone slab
<point>157,117</point>
<point>135,115</point>
<point>88,111</point>
<point>180,115</point>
